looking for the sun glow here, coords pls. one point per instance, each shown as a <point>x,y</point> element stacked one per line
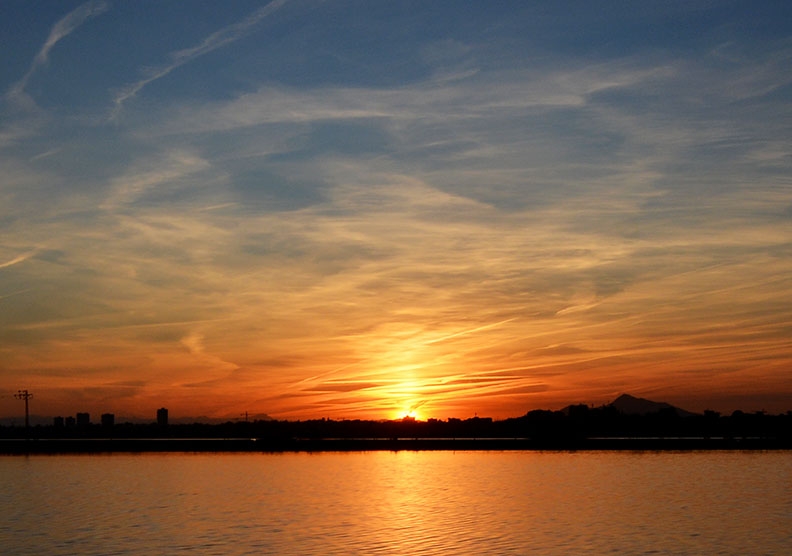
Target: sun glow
<point>409,410</point>
<point>409,416</point>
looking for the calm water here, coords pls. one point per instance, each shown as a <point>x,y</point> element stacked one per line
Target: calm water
<point>398,503</point>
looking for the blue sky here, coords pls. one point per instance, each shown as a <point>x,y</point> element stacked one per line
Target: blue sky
<point>336,208</point>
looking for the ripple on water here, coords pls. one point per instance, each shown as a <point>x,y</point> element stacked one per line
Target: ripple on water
<point>399,503</point>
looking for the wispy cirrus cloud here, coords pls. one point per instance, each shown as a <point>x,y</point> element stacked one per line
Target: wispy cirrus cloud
<point>18,259</point>
<point>62,29</point>
<point>216,40</point>
<point>471,97</point>
<point>492,226</point>
<point>152,174</point>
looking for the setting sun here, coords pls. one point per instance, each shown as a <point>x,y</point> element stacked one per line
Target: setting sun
<point>429,277</point>
<point>462,217</point>
<point>408,414</point>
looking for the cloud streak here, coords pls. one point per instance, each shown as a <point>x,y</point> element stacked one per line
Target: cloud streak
<point>18,259</point>
<point>218,39</point>
<point>358,233</point>
<point>62,29</point>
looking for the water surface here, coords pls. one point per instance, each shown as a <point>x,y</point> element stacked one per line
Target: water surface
<point>399,503</point>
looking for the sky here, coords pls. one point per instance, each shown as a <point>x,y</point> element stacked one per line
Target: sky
<point>361,209</point>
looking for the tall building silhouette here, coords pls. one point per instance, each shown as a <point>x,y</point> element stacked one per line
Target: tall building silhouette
<point>162,417</point>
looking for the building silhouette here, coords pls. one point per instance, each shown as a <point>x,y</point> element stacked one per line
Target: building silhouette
<point>108,419</point>
<point>83,419</point>
<point>162,417</point>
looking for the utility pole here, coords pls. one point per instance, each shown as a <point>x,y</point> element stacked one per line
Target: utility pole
<point>25,395</point>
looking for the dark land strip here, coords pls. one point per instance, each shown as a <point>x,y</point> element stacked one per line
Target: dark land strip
<point>218,445</point>
<point>574,428</point>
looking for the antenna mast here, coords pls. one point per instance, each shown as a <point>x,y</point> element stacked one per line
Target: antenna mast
<point>25,395</point>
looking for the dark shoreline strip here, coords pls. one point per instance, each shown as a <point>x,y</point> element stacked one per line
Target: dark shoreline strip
<point>208,445</point>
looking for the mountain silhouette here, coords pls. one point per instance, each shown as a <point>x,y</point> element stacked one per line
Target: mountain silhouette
<point>630,405</point>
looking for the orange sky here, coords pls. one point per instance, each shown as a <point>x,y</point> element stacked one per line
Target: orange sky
<point>514,317</point>
<point>477,215</point>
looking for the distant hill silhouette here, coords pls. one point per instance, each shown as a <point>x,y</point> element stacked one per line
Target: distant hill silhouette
<point>627,423</point>
<point>630,405</point>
